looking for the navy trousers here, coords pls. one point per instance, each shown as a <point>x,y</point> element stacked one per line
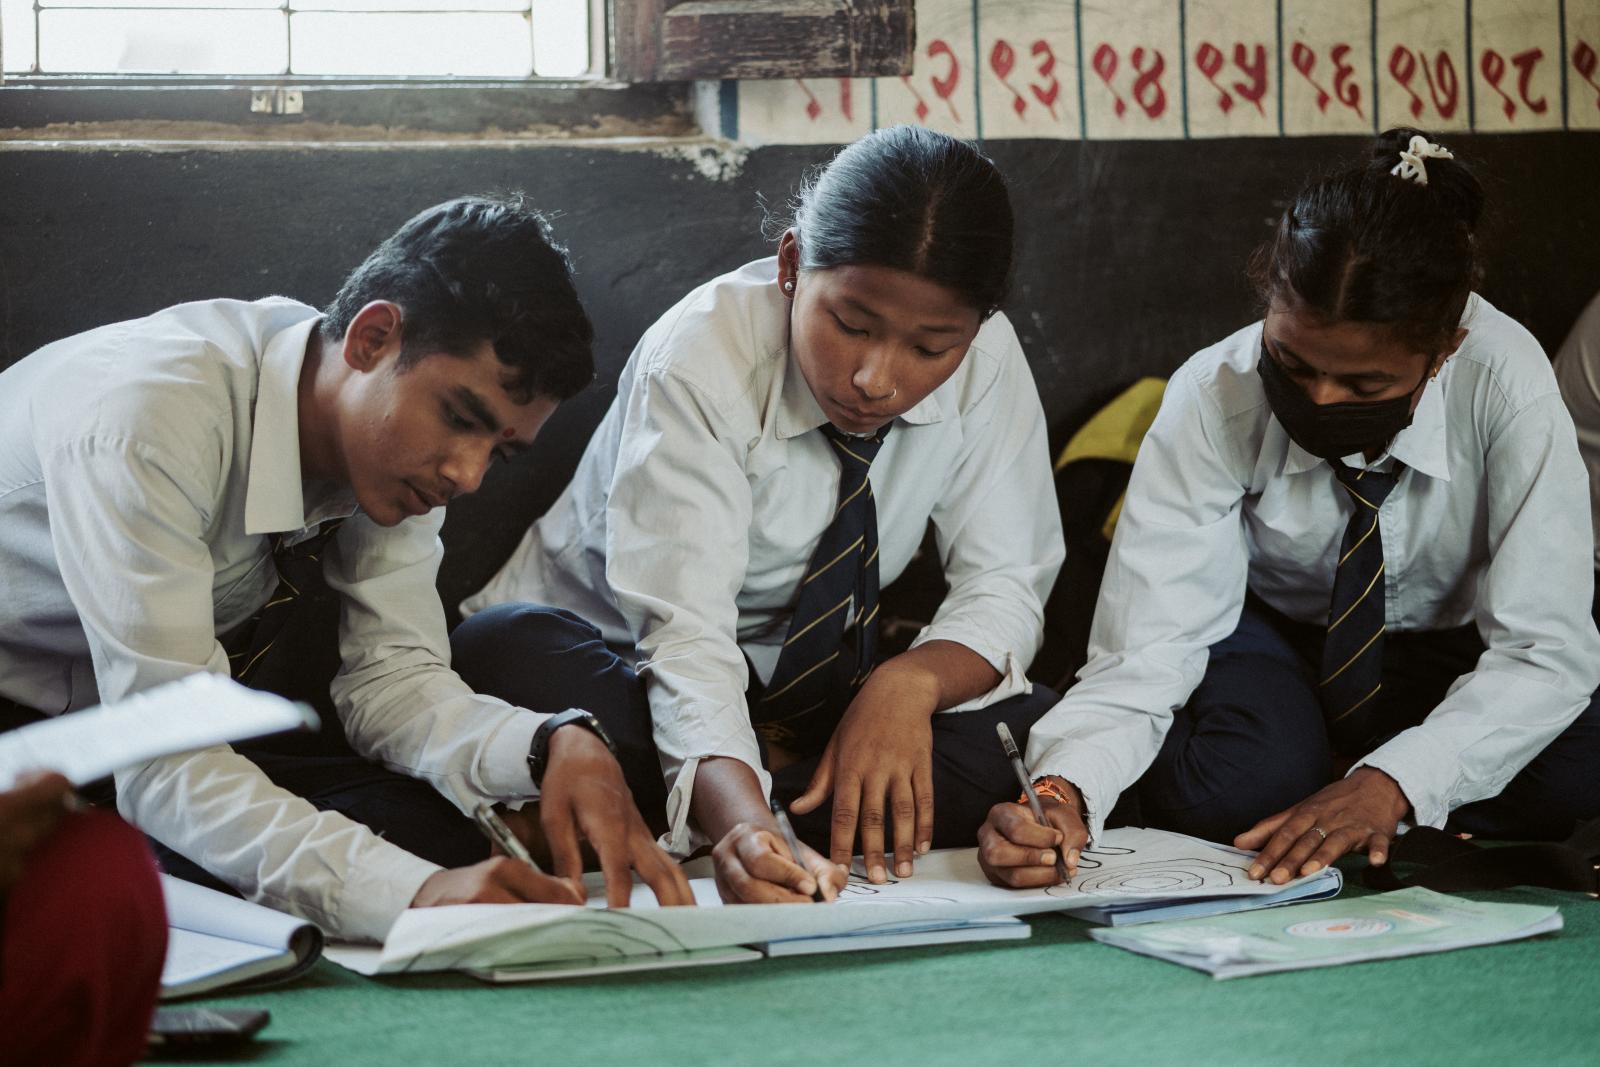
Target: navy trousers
<point>1251,740</point>
<point>547,659</point>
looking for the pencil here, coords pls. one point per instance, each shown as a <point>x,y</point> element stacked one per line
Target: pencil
<point>1026,779</point>
<point>495,829</point>
<point>794,845</point>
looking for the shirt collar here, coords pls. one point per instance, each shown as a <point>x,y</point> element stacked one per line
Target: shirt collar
<point>799,412</point>
<point>274,499</point>
<point>1420,446</point>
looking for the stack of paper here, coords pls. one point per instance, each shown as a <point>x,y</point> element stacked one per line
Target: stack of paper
<point>1407,922</point>
<point>947,898</point>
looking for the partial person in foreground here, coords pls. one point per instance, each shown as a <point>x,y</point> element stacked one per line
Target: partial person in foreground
<point>780,442</point>
<point>1578,374</point>
<point>1349,582</point>
<point>83,932</point>
<point>172,485</point>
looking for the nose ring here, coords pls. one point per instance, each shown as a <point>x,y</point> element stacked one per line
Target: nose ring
<point>892,394</point>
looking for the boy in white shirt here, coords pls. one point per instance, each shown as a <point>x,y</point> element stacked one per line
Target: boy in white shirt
<point>157,475</point>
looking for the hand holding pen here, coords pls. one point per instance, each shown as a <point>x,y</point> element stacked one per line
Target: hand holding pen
<point>821,894</point>
<point>1032,843</point>
<point>509,878</point>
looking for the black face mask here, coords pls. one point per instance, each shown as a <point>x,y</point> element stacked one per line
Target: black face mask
<point>1331,431</point>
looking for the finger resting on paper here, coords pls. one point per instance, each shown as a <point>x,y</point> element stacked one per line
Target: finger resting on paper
<point>1299,851</point>
<point>870,827</point>
<point>922,782</point>
<point>903,805</point>
<point>1328,852</point>
<point>561,831</point>
<point>1377,846</point>
<point>664,877</point>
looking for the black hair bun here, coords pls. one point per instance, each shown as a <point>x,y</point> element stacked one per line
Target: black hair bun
<point>1451,184</point>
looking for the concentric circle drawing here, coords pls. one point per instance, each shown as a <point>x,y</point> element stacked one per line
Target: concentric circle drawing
<point>1161,877</point>
<point>1338,929</point>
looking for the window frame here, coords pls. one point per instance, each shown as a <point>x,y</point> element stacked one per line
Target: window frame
<point>657,100</point>
<point>681,40</point>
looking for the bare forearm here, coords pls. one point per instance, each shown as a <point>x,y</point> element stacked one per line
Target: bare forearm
<point>952,673</point>
<point>727,793</point>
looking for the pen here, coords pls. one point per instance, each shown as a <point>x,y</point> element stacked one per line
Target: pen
<point>794,844</point>
<point>1027,790</point>
<point>495,829</point>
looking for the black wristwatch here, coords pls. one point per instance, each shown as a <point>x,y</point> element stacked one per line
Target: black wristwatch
<point>539,751</point>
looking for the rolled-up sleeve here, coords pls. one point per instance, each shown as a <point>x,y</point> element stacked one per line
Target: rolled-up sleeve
<point>1174,585</point>
<point>998,530</point>
<point>397,696</point>
<point>1541,665</point>
<point>677,549</point>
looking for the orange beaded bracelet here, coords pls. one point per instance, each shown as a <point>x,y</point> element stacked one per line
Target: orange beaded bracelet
<point>1047,786</point>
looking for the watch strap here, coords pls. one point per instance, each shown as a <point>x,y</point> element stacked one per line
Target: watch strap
<point>539,751</point>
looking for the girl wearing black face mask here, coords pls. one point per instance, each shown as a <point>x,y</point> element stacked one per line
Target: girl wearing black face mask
<point>1350,584</point>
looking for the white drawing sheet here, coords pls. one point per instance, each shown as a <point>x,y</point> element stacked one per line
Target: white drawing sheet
<point>194,712</point>
<point>948,887</point>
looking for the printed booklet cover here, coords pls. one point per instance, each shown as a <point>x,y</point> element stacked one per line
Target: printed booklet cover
<point>1407,922</point>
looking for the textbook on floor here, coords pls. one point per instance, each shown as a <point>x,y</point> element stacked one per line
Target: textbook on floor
<point>1407,922</point>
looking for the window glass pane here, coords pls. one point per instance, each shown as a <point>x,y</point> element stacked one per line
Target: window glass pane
<point>560,38</point>
<point>16,35</point>
<point>158,4</point>
<point>496,45</point>
<point>409,5</point>
<point>162,42</point>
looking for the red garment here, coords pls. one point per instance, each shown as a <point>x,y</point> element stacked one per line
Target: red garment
<point>82,942</point>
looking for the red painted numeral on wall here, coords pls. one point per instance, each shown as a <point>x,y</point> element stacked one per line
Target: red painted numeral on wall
<point>1443,86</point>
<point>1584,61</point>
<point>1346,90</point>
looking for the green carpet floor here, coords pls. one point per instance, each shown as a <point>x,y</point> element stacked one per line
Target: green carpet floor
<point>1056,999</point>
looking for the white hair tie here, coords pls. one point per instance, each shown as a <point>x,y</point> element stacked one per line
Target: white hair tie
<point>1411,166</point>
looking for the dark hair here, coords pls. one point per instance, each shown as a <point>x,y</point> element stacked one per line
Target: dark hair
<point>913,200</point>
<point>1364,245</point>
<point>476,269</point>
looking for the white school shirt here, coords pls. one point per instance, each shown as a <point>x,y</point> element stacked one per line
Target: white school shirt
<point>699,501</point>
<point>142,467</point>
<point>1488,523</point>
<point>1578,374</point>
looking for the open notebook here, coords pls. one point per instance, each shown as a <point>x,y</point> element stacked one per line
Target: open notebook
<point>215,940</point>
<point>947,898</point>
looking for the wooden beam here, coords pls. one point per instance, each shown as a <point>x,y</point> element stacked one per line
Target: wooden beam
<point>658,40</point>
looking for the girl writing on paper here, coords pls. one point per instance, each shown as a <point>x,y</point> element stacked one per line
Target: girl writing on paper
<point>1351,582</point>
<point>779,444</point>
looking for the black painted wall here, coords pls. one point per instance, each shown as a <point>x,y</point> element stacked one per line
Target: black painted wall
<point>1131,253</point>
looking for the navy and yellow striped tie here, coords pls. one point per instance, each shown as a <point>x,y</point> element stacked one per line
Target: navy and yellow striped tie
<point>833,634</point>
<point>299,567</point>
<point>1352,650</point>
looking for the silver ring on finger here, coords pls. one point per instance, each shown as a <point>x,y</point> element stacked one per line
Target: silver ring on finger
<point>1320,831</point>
